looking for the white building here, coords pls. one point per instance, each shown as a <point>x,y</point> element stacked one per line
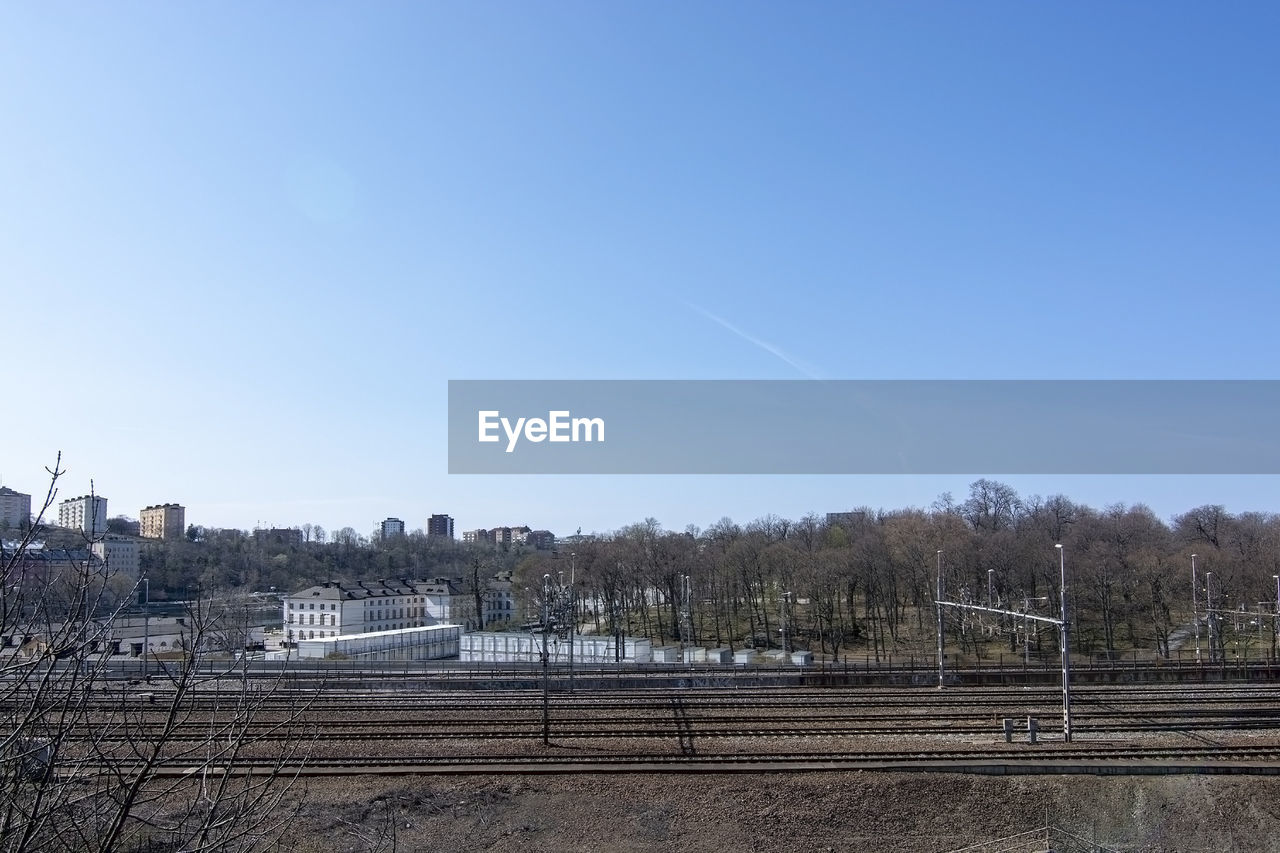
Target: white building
<point>15,509</point>
<point>338,608</point>
<point>391,528</point>
<point>120,553</point>
<point>499,601</point>
<point>332,609</point>
<point>87,513</point>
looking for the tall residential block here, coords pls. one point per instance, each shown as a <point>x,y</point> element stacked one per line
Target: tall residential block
<point>87,513</point>
<point>15,509</point>
<point>163,521</point>
<point>440,527</point>
<point>391,528</point>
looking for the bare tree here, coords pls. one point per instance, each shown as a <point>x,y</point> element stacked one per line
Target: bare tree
<point>89,761</point>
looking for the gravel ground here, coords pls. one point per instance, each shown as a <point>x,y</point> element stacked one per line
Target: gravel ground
<point>786,812</point>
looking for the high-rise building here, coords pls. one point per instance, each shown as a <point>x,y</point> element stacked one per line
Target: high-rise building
<point>163,521</point>
<point>87,513</point>
<point>391,528</point>
<point>15,509</point>
<point>440,527</point>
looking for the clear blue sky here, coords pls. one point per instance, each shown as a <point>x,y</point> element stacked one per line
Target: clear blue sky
<point>244,246</point>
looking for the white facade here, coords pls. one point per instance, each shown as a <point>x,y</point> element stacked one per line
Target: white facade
<point>335,609</point>
<point>15,509</point>
<point>391,528</point>
<point>87,513</point>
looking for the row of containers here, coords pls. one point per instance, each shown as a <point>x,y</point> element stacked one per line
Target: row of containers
<point>437,642</point>
<point>500,647</point>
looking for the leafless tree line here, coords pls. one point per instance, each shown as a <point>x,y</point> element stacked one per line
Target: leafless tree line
<point>867,579</point>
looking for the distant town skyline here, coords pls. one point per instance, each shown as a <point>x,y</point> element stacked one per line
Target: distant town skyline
<point>1167,496</point>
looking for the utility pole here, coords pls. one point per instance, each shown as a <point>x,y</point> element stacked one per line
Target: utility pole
<point>786,601</point>
<point>1195,612</point>
<point>1212,616</point>
<point>1026,632</point>
<point>686,620</point>
<point>546,660</point>
<point>942,675</point>
<point>146,628</point>
<point>573,610</point>
<point>1275,633</point>
<point>1066,649</point>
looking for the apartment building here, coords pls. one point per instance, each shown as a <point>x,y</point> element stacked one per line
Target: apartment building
<point>15,509</point>
<point>163,521</point>
<point>440,527</point>
<point>87,513</point>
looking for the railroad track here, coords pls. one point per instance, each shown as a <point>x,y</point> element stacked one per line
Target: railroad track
<point>1259,760</point>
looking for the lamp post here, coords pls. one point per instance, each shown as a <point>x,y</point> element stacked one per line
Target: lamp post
<point>1066,649</point>
<point>938,606</point>
<point>1195,613</point>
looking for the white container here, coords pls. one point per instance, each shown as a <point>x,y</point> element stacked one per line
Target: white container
<point>665,654</point>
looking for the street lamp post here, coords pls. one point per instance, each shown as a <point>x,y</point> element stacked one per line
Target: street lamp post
<point>1195,613</point>
<point>942,675</point>
<point>1066,649</point>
